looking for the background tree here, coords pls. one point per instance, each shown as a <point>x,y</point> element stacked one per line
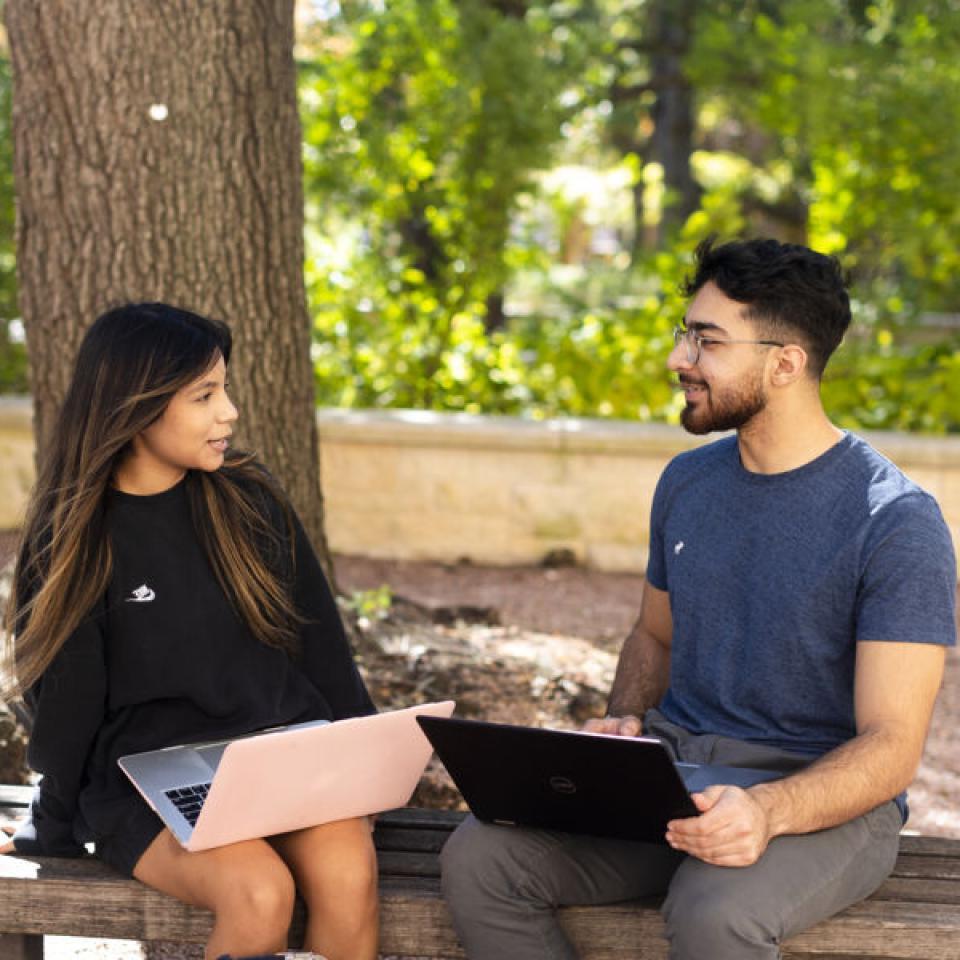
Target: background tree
<point>426,118</point>
<point>829,122</point>
<point>157,157</point>
<point>13,360</point>
<point>461,255</point>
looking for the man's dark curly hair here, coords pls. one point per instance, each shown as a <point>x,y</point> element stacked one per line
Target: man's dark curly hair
<point>792,293</point>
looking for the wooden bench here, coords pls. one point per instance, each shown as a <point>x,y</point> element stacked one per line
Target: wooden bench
<point>916,914</point>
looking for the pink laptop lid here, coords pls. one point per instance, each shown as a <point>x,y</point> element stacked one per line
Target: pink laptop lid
<point>290,779</point>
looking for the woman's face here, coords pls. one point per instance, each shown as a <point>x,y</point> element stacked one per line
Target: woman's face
<point>192,434</point>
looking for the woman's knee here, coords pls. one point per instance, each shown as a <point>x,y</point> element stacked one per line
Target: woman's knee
<point>355,872</point>
<point>261,898</point>
<point>334,863</point>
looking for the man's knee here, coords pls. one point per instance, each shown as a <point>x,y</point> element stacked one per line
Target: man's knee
<point>469,860</point>
<point>483,862</point>
<point>710,923</point>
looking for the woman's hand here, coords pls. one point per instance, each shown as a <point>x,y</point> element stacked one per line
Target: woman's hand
<point>7,829</point>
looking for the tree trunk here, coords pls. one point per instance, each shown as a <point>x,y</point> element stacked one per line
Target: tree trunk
<point>670,27</point>
<point>157,157</point>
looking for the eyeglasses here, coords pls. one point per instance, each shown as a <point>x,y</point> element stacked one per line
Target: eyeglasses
<point>694,342</point>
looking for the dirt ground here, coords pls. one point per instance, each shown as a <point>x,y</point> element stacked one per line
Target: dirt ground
<point>536,645</point>
<point>527,645</point>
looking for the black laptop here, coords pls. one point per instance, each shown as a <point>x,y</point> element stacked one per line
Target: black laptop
<point>626,787</point>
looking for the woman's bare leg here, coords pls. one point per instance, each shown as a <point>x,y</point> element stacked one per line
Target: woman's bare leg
<point>246,885</point>
<point>335,867</point>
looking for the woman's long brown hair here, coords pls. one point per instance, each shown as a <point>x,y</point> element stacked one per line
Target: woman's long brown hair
<point>130,364</point>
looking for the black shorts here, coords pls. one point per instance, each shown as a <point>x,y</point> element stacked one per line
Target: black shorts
<point>123,848</point>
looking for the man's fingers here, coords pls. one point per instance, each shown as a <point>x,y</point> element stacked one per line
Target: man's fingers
<point>628,726</point>
<point>706,799</point>
<point>597,725</point>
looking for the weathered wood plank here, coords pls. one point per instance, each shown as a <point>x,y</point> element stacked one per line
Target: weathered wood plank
<point>421,818</point>
<point>414,917</point>
<point>15,946</point>
<point>929,846</point>
<point>883,929</point>
<point>410,839</point>
<point>920,890</point>
<point>941,867</point>
<point>914,915</point>
<point>402,863</point>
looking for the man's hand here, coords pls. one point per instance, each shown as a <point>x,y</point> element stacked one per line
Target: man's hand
<point>628,726</point>
<point>731,831</point>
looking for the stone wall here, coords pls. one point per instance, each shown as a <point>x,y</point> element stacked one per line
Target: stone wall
<point>497,490</point>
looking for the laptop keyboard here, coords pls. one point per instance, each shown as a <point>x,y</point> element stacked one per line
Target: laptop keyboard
<point>189,800</point>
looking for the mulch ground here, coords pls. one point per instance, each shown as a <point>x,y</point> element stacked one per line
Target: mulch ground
<point>538,646</point>
<point>529,645</point>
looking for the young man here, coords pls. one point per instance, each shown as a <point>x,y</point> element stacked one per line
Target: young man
<point>799,599</point>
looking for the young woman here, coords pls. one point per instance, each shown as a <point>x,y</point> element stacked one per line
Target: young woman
<point>166,593</point>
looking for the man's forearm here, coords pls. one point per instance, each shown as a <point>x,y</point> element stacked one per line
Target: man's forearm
<point>643,673</point>
<point>895,689</point>
<point>845,783</point>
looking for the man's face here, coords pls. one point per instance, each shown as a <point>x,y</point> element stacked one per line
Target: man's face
<point>724,388</point>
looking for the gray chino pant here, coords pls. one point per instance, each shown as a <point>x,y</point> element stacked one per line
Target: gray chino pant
<point>503,884</point>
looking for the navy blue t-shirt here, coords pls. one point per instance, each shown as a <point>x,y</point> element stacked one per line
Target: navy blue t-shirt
<point>773,578</point>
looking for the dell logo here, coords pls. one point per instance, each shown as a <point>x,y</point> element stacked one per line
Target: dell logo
<point>563,785</point>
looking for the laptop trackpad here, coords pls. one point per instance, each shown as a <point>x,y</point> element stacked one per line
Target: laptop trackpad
<point>699,776</point>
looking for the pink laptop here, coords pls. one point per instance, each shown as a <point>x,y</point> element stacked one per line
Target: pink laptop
<point>212,794</point>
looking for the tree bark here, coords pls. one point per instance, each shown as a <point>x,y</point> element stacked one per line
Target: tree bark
<point>157,157</point>
<point>664,38</point>
<point>670,28</point>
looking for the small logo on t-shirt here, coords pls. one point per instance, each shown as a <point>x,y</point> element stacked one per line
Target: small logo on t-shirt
<point>677,547</point>
<point>143,594</point>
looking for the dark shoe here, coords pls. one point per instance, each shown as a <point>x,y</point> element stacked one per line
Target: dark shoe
<point>286,955</point>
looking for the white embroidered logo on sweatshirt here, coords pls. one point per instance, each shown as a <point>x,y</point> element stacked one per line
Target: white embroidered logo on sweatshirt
<point>143,594</point>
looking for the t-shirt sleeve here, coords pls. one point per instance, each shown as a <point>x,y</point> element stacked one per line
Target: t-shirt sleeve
<point>656,573</point>
<point>325,657</point>
<point>908,585</point>
<point>66,707</point>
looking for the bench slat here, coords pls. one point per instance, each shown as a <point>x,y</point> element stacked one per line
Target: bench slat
<point>414,916</point>
<point>919,890</point>
<point>914,914</point>
<point>410,840</point>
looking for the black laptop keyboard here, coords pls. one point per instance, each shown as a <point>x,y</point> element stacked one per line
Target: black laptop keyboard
<point>189,800</point>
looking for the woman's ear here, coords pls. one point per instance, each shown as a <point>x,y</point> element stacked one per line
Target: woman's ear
<point>791,365</point>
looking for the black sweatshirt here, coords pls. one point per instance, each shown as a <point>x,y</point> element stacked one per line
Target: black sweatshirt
<point>164,659</point>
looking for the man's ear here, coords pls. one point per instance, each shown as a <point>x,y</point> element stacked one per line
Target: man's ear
<point>791,365</point>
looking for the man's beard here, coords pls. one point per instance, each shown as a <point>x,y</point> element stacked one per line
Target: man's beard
<point>730,409</point>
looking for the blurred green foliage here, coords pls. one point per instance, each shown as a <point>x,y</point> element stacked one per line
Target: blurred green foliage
<point>860,107</point>
<point>419,140</point>
<point>446,265</point>
<point>428,122</point>
<point>876,384</point>
<point>13,355</point>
